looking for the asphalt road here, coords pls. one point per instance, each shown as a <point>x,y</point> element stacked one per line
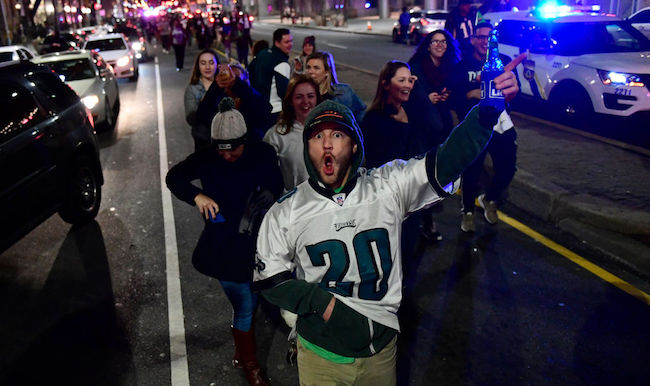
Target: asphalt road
<point>368,52</point>
<point>89,305</point>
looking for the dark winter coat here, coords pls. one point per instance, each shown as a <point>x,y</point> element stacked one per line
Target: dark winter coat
<point>386,139</point>
<point>222,251</point>
<point>256,110</point>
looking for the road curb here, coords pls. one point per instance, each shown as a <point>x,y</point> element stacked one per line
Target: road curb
<point>624,251</point>
<point>554,204</point>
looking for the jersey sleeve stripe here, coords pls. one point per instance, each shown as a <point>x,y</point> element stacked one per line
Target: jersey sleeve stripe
<point>272,281</point>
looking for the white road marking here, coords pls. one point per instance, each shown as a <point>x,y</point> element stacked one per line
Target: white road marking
<point>336,46</point>
<point>177,348</point>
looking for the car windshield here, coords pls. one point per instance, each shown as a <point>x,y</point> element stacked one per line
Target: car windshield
<point>106,44</point>
<point>641,17</point>
<point>572,39</point>
<point>75,69</point>
<point>6,56</point>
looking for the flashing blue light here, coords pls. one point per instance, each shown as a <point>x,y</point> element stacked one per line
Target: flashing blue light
<point>366,5</point>
<point>551,9</point>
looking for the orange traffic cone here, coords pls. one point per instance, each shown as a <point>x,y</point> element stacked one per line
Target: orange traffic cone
<point>369,26</point>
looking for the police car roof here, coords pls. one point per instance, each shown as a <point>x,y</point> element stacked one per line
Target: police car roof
<point>102,36</point>
<point>571,17</point>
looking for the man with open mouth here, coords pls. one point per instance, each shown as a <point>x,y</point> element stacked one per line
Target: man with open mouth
<point>340,231</point>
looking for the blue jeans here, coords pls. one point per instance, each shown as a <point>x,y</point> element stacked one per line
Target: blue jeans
<point>243,302</point>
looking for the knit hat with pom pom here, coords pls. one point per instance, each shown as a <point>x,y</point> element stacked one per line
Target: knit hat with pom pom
<point>228,126</point>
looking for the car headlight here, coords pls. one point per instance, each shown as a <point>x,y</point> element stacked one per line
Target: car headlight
<point>90,101</point>
<point>137,46</point>
<point>620,79</point>
<point>123,61</point>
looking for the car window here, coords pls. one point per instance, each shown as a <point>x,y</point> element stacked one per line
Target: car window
<point>513,33</point>
<point>26,54</point>
<point>60,94</point>
<point>106,44</point>
<point>6,56</point>
<point>642,17</point>
<point>567,40</point>
<point>592,38</point>
<point>436,15</point>
<point>19,111</point>
<point>74,69</point>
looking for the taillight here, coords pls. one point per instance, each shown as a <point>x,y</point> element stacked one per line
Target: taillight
<point>424,22</point>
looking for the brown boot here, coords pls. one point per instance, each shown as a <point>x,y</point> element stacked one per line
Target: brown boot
<point>245,357</point>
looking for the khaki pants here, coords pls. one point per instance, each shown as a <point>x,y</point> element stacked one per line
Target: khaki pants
<point>377,370</point>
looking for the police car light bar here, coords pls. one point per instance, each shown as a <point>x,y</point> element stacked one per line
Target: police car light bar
<point>551,9</point>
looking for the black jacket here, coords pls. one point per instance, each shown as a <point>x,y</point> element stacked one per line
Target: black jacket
<point>386,139</point>
<point>222,251</point>
<point>256,110</point>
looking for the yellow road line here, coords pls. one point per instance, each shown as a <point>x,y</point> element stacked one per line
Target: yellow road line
<point>577,259</point>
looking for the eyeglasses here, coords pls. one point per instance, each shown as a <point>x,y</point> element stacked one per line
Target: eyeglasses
<point>481,37</point>
<point>439,42</point>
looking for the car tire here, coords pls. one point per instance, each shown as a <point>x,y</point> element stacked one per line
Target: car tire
<point>573,105</point>
<point>116,107</point>
<point>136,75</point>
<point>83,193</point>
<point>415,38</point>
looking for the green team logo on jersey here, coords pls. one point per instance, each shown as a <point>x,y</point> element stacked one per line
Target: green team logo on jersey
<point>372,250</point>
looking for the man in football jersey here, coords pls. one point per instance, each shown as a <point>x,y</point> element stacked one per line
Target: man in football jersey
<point>340,231</point>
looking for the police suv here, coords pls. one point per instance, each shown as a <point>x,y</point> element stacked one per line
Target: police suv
<point>581,61</point>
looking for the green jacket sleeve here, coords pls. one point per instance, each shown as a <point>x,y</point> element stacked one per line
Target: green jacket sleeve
<point>299,297</point>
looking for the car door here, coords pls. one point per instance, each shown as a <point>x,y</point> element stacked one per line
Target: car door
<point>107,77</point>
<point>25,161</point>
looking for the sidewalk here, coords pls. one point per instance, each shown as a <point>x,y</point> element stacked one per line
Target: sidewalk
<point>358,25</point>
<point>597,192</point>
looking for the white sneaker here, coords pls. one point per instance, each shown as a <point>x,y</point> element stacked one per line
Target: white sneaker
<point>489,209</point>
<point>467,224</point>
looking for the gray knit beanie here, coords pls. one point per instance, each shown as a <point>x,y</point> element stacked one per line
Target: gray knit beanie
<point>228,126</point>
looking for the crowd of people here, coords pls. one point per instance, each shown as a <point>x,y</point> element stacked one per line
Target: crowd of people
<point>312,198</point>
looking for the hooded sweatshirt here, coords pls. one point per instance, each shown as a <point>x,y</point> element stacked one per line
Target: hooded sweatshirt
<point>346,243</point>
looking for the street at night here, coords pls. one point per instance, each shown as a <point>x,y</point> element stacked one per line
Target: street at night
<point>556,293</point>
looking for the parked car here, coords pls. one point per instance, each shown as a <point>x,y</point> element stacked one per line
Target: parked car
<point>117,52</point>
<point>84,32</point>
<point>137,42</point>
<point>49,158</point>
<point>422,23</point>
<point>641,21</point>
<point>580,61</point>
<point>64,41</point>
<point>9,53</point>
<point>88,74</point>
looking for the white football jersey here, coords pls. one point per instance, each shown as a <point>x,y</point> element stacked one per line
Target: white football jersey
<point>349,245</point>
